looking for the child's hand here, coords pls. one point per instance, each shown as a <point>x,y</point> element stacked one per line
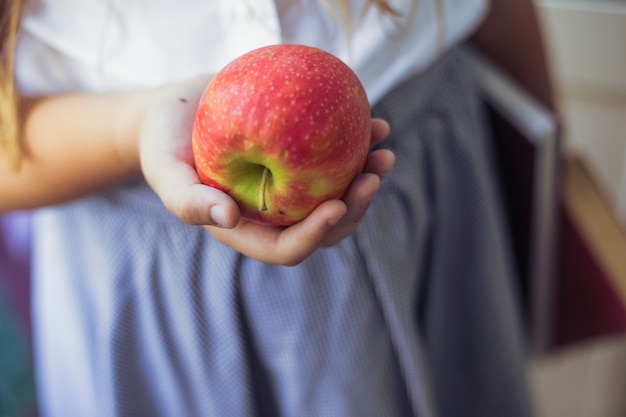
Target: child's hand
<point>167,164</point>
<point>329,223</point>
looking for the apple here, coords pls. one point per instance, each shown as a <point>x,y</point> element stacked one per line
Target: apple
<point>282,129</point>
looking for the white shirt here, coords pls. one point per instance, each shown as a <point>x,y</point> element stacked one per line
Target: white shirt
<point>98,45</point>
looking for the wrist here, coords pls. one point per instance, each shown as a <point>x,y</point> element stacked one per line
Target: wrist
<point>127,128</point>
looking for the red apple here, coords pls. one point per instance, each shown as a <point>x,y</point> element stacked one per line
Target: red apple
<point>282,129</point>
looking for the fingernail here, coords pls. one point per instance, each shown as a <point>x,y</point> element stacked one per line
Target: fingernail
<point>218,215</point>
<point>333,221</point>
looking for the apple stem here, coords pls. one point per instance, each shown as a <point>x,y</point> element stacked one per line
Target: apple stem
<point>263,186</point>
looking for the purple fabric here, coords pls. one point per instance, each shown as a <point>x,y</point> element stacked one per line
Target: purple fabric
<point>15,237</point>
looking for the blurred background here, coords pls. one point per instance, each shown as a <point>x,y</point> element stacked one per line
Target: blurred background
<point>581,372</point>
<point>585,376</point>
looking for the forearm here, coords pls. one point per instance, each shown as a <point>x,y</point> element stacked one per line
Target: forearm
<point>74,145</point>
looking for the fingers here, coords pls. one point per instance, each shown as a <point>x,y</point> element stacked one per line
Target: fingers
<point>283,246</point>
<point>380,130</point>
<point>357,200</point>
<point>380,162</point>
<point>309,235</point>
<point>360,195</point>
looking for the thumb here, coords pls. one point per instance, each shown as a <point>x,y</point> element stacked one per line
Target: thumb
<point>179,188</point>
<point>198,204</point>
<point>302,239</point>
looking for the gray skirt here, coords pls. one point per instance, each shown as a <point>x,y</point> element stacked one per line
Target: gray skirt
<point>415,314</point>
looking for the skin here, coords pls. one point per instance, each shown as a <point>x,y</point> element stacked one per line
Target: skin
<point>79,144</point>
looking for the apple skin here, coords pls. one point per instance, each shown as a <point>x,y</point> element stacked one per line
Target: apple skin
<point>282,129</point>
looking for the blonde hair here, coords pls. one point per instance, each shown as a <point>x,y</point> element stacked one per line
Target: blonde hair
<point>10,15</point>
<point>341,9</point>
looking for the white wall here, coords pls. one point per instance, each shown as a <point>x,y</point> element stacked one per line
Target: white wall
<point>587,45</point>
